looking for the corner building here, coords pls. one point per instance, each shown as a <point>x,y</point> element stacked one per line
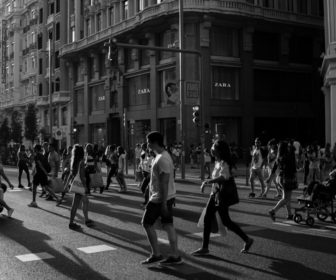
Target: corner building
<point>260,69</point>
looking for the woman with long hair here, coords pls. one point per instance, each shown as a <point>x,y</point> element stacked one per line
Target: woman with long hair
<point>222,173</point>
<point>23,161</point>
<point>78,166</point>
<point>286,165</point>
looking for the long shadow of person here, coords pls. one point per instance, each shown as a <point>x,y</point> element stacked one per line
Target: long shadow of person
<point>36,242</point>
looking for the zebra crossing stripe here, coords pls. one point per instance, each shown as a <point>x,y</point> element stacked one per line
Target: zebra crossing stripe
<point>34,257</point>
<point>96,249</point>
<point>200,234</point>
<point>163,241</point>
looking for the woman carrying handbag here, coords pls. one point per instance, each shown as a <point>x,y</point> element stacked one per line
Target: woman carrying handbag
<point>79,187</point>
<point>223,195</point>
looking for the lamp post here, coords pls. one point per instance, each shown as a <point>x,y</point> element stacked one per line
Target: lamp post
<point>181,85</point>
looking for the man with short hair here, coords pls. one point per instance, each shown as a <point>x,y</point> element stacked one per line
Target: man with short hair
<point>162,196</point>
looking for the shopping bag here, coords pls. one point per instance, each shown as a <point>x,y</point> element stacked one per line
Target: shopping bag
<point>96,180</point>
<point>56,185</point>
<point>214,224</point>
<point>77,185</point>
<point>221,228</point>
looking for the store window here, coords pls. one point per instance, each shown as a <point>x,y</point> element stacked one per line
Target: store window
<point>169,91</point>
<point>168,39</point>
<point>301,49</point>
<point>227,128</point>
<point>99,134</point>
<point>97,94</point>
<point>225,83</point>
<point>266,45</point>
<point>224,41</point>
<point>138,90</point>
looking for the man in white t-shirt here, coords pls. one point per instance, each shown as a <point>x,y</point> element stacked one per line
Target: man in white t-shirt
<point>161,199</point>
<point>256,168</point>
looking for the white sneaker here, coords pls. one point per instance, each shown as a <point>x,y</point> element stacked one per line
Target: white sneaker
<point>10,212</point>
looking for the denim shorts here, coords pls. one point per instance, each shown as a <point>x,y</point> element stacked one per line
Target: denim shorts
<point>153,212</point>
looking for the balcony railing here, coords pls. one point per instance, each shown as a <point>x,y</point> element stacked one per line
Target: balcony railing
<point>42,100</point>
<point>61,97</point>
<point>200,6</point>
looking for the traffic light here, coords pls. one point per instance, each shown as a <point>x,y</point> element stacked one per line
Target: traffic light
<point>196,115</point>
<point>113,51</point>
<point>74,127</point>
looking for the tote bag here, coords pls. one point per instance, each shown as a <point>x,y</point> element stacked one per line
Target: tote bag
<point>96,180</point>
<point>77,185</point>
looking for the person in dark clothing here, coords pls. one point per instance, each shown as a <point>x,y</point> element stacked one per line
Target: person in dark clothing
<point>112,163</point>
<point>286,164</point>
<point>23,161</point>
<point>222,172</point>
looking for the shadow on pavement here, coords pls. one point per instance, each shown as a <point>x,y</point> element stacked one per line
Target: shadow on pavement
<point>36,242</point>
<point>294,270</point>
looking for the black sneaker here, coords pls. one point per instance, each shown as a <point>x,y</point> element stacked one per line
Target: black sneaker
<point>74,226</point>
<point>251,195</point>
<point>272,215</point>
<point>171,261</point>
<point>20,186</point>
<point>152,259</point>
<point>247,246</point>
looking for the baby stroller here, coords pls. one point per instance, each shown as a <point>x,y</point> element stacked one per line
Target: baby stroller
<point>318,199</point>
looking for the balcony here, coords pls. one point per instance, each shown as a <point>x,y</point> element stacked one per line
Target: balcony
<point>33,22</point>
<point>42,101</point>
<point>28,99</point>
<point>170,7</point>
<point>51,19</point>
<point>60,97</point>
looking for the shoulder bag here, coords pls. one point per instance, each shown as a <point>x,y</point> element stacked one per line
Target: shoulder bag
<point>228,193</point>
<point>77,185</point>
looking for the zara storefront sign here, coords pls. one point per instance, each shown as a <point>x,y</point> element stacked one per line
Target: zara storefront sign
<point>222,85</point>
<point>143,91</point>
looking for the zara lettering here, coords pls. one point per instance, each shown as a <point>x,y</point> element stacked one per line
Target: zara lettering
<point>222,85</point>
<point>143,91</point>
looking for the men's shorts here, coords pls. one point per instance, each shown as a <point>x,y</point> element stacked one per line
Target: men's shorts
<point>153,212</point>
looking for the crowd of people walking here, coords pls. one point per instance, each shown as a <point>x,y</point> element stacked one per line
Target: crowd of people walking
<point>275,165</point>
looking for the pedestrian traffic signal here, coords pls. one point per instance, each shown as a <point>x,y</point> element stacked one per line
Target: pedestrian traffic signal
<point>196,115</point>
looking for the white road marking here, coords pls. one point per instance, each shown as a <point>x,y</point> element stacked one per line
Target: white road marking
<point>96,249</point>
<point>34,257</point>
<point>318,229</point>
<point>15,190</point>
<point>290,222</point>
<point>331,227</point>
<point>200,234</point>
<point>163,241</point>
<point>281,224</point>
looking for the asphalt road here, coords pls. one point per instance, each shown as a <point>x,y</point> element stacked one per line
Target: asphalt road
<point>116,246</point>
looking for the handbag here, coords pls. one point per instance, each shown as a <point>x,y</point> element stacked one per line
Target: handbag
<point>56,185</point>
<point>214,224</point>
<point>77,185</point>
<point>228,193</point>
<point>96,180</point>
<point>221,228</point>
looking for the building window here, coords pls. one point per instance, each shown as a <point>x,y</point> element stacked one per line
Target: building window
<point>301,49</point>
<point>40,66</point>
<point>138,89</point>
<point>57,84</point>
<point>33,62</point>
<point>102,68</point>
<point>268,3</point>
<point>51,8</point>
<point>266,45</point>
<point>64,116</point>
<point>98,101</point>
<point>39,41</point>
<point>58,6</point>
<point>40,89</point>
<point>125,9</point>
<point>225,83</point>
<point>279,86</point>
<point>143,4</point>
<point>302,6</point>
<point>169,92</point>
<point>99,22</point>
<point>167,40</point>
<point>144,54</point>
<point>58,31</point>
<point>57,59</point>
<point>88,27</point>
<point>73,34</point>
<point>224,42</point>
<point>316,7</point>
<point>110,16</point>
<point>41,15</point>
<point>129,61</point>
